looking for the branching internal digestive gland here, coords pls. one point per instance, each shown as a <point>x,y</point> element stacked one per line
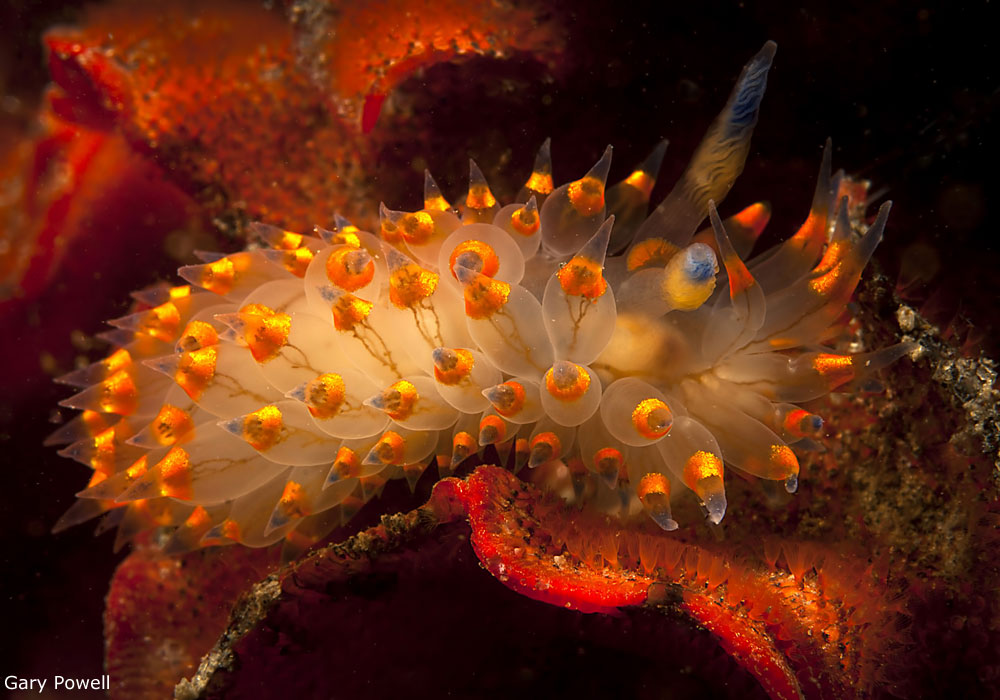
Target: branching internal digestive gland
<point>626,359</point>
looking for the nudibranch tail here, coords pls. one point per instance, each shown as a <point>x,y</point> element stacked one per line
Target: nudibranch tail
<point>628,361</point>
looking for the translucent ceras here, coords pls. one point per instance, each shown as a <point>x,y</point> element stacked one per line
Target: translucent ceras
<point>629,359</point>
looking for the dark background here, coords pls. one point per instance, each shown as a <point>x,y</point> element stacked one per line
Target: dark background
<point>907,91</point>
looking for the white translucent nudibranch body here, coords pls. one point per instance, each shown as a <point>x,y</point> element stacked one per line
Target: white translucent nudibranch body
<point>628,359</point>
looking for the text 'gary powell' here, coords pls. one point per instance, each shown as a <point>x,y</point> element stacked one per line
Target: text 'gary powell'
<point>58,683</point>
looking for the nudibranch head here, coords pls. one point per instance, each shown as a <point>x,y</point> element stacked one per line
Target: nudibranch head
<point>637,356</point>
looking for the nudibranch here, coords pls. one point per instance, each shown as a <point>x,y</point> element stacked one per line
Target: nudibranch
<point>627,360</point>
